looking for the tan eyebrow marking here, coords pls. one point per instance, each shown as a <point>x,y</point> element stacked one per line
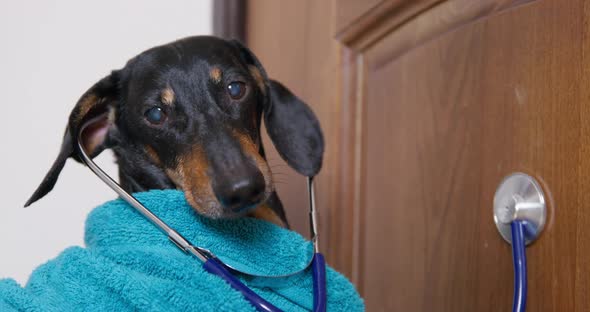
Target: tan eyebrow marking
<point>215,74</point>
<point>167,96</point>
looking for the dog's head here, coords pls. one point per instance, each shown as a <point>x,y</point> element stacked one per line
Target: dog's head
<point>188,114</point>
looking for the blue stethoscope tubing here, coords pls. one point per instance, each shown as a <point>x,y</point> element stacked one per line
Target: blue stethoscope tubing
<point>320,293</point>
<point>318,268</point>
<point>519,259</point>
<point>215,266</point>
<point>211,263</point>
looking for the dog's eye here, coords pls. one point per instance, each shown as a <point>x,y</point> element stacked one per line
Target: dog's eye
<point>236,90</point>
<point>155,115</point>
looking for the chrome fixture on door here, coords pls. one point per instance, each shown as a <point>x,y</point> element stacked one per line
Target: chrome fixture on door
<point>520,214</point>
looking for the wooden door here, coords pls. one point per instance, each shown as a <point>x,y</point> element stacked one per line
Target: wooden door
<point>426,105</point>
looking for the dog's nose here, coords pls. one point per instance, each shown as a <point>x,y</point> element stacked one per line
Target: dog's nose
<point>242,193</point>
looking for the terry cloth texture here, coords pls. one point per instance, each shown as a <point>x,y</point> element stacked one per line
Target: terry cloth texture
<point>128,264</point>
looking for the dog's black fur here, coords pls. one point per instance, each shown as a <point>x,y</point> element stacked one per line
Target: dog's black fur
<point>208,143</point>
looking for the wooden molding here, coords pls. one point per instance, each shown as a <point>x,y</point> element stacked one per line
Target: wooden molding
<point>437,21</point>
<point>396,26</point>
<point>416,21</point>
<point>380,20</point>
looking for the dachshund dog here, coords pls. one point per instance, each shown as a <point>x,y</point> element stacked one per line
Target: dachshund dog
<point>187,116</point>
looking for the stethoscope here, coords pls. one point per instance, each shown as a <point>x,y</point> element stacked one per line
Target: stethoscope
<point>520,214</point>
<point>214,265</point>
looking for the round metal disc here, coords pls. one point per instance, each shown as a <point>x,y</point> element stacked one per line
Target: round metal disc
<point>520,197</point>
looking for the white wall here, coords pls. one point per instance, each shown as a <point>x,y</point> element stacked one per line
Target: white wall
<point>50,53</point>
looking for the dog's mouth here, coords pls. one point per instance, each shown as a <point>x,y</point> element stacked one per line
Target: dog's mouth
<point>207,204</point>
<point>204,200</point>
<point>222,196</point>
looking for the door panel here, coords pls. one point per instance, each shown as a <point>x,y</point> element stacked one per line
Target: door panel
<point>427,105</point>
<point>444,123</point>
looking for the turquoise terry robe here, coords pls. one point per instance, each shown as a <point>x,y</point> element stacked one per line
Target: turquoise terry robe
<point>128,264</point>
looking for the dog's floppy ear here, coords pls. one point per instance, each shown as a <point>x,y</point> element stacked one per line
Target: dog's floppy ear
<point>294,130</point>
<point>97,104</point>
<point>290,123</point>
